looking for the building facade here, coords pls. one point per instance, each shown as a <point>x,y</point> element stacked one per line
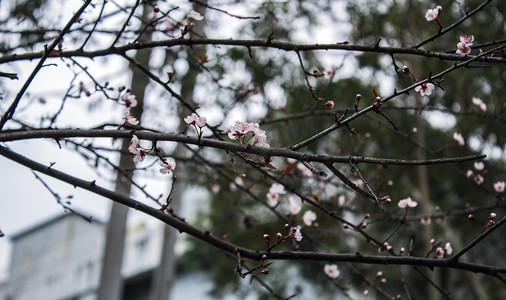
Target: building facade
<point>61,260</point>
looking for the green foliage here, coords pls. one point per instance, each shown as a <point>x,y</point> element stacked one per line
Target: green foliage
<point>243,219</point>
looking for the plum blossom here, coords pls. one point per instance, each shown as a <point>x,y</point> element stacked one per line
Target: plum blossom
<point>297,235</point>
<point>499,186</point>
<point>408,202</point>
<point>277,188</point>
<point>195,16</point>
<point>274,191</point>
<point>308,218</point>
<point>135,148</point>
<point>193,119</point>
<point>128,100</point>
<point>197,122</point>
<point>464,46</point>
<point>294,205</point>
<point>448,249</point>
<point>129,118</point>
<point>425,88</point>
<point>169,165</point>
<point>329,104</point>
<point>331,271</point>
<point>240,129</point>
<point>479,165</point>
<point>272,199</point>
<point>457,137</point>
<point>478,102</point>
<point>432,14</point>
<point>478,179</point>
<point>440,252</point>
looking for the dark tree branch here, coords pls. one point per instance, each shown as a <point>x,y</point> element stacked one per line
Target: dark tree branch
<point>244,252</point>
<point>6,136</point>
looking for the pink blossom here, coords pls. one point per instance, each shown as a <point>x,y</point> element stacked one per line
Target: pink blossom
<point>478,102</point>
<point>425,88</point>
<point>134,144</point>
<point>448,249</point>
<point>464,46</point>
<point>195,16</point>
<point>260,140</point>
<point>273,194</point>
<point>129,119</point>
<point>277,189</point>
<point>129,100</point>
<point>240,129</point>
<point>193,119</point>
<point>469,173</point>
<point>439,252</point>
<point>140,154</point>
<point>135,148</point>
<point>272,198</point>
<point>479,179</point>
<point>329,104</point>
<point>468,40</point>
<point>331,271</point>
<point>459,139</point>
<point>294,205</point>
<point>168,166</point>
<point>479,165</point>
<point>463,49</point>
<point>408,202</point>
<point>432,14</point>
<point>308,217</point>
<point>499,186</point>
<point>297,235</point>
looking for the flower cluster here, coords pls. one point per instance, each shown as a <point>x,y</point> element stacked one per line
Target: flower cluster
<point>478,174</point>
<point>273,195</point>
<point>241,129</point>
<point>129,101</point>
<point>433,14</point>
<point>309,217</point>
<point>408,202</point>
<point>135,148</point>
<point>464,46</point>
<point>168,165</point>
<point>490,222</point>
<point>440,252</point>
<point>197,122</point>
<point>291,233</point>
<point>478,102</point>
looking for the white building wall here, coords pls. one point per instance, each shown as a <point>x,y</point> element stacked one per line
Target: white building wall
<point>62,259</point>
